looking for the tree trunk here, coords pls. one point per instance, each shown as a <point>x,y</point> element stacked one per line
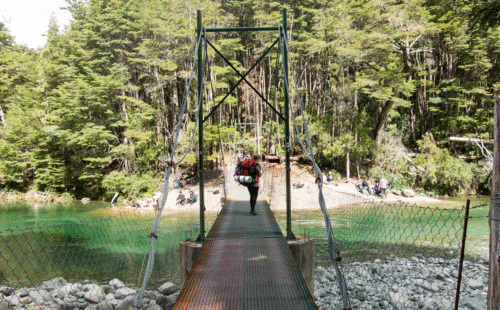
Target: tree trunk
<point>379,130</point>
<point>494,276</point>
<point>347,163</point>
<point>2,119</point>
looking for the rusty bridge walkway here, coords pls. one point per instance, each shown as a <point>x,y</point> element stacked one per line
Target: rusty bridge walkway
<point>245,263</point>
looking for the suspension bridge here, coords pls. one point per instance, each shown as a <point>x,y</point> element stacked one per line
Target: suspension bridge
<point>245,261</point>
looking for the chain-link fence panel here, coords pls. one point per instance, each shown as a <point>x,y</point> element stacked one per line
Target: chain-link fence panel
<point>88,252</point>
<point>394,255</point>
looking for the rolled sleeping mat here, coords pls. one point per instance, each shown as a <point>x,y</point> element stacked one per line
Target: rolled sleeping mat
<point>243,178</point>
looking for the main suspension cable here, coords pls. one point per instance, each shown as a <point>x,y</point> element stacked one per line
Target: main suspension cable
<point>156,222</point>
<point>332,249</point>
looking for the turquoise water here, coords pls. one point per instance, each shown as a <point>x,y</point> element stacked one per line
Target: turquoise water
<point>97,242</point>
<point>26,214</point>
<point>92,241</point>
<point>371,232</point>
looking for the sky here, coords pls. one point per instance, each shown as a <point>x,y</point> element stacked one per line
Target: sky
<point>28,20</point>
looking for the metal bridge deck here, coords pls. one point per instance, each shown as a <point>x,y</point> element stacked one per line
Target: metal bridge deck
<point>245,263</point>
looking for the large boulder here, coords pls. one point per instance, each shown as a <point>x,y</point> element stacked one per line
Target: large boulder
<point>116,284</point>
<point>126,304</point>
<point>6,290</point>
<point>166,302</point>
<point>4,305</point>
<point>124,292</point>
<point>168,288</point>
<point>40,297</point>
<point>72,288</point>
<point>12,300</point>
<point>53,284</point>
<point>93,293</point>
<point>408,193</point>
<point>104,305</point>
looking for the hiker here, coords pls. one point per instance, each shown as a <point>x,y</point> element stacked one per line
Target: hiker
<point>248,174</point>
<point>377,189</point>
<point>181,199</point>
<point>330,177</point>
<point>384,185</point>
<point>178,184</point>
<point>298,185</point>
<point>192,197</point>
<point>364,185</point>
<point>247,156</point>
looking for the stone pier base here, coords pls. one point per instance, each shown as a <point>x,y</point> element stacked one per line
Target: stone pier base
<point>303,253</point>
<point>188,251</point>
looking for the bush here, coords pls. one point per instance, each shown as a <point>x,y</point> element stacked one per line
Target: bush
<point>482,179</point>
<point>67,197</point>
<point>402,181</point>
<point>439,171</point>
<point>130,185</point>
<point>334,172</point>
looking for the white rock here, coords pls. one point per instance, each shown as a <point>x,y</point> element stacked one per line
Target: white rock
<point>93,293</point>
<point>116,284</point>
<point>408,193</point>
<point>53,284</point>
<point>126,304</point>
<point>168,288</point>
<point>104,305</point>
<point>13,300</point>
<point>5,290</point>
<point>124,292</point>
<point>26,300</point>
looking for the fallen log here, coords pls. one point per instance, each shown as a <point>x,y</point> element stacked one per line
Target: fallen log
<point>458,139</point>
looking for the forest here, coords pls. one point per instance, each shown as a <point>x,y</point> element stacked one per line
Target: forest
<point>384,84</point>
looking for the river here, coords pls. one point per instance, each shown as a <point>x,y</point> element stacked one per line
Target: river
<point>94,241</point>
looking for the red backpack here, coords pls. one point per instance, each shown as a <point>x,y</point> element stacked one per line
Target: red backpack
<point>248,167</point>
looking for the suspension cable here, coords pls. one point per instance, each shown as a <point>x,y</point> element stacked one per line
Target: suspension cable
<point>332,248</point>
<point>156,222</point>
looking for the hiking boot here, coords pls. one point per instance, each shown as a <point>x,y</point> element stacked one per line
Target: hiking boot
<point>253,212</point>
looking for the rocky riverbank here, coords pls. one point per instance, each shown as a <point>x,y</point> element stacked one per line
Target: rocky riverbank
<point>400,283</point>
<point>58,294</point>
<point>396,283</point>
<point>35,196</point>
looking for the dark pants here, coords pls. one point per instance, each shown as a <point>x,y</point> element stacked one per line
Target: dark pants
<point>254,192</point>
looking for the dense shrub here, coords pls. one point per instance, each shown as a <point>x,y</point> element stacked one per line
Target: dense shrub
<point>129,185</point>
<point>482,179</point>
<point>439,171</point>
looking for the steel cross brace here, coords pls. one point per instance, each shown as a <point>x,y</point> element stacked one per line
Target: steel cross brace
<point>243,78</point>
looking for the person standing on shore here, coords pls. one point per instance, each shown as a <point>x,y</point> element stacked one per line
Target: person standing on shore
<point>383,185</point>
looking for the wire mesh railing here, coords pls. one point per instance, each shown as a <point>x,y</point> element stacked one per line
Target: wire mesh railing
<point>90,252</point>
<point>394,255</point>
<point>100,259</point>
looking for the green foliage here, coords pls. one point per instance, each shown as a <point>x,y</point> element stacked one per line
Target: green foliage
<point>482,178</point>
<point>105,94</point>
<point>439,170</point>
<point>129,185</point>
